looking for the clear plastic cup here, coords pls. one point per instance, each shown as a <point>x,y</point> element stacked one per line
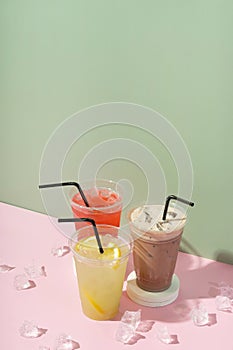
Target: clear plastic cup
<point>104,198</point>
<point>156,245</point>
<point>100,276</point>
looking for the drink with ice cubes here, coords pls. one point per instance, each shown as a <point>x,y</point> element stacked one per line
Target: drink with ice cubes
<point>100,276</point>
<point>105,202</point>
<point>156,245</point>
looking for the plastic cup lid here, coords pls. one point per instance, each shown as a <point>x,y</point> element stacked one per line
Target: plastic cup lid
<point>152,299</point>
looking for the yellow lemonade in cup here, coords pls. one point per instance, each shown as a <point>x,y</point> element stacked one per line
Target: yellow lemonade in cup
<point>100,276</point>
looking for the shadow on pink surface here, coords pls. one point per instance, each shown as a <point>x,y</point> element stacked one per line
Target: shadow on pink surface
<point>174,339</point>
<point>200,278</point>
<point>145,326</point>
<point>212,319</point>
<point>74,345</point>
<point>136,338</point>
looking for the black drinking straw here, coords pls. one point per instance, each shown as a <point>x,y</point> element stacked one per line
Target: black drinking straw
<point>94,228</point>
<point>70,183</point>
<point>172,196</point>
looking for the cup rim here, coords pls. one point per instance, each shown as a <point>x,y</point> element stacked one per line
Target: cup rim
<point>160,236</point>
<point>126,238</point>
<point>117,203</point>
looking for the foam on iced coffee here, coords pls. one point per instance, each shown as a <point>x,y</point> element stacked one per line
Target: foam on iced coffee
<point>156,245</point>
<point>149,219</point>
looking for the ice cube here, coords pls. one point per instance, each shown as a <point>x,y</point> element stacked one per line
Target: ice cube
<point>33,271</point>
<point>226,290</point>
<point>163,334</point>
<point>145,326</point>
<point>132,318</point>
<point>6,268</point>
<point>166,226</point>
<point>60,251</point>
<point>22,282</point>
<point>223,303</point>
<point>124,333</point>
<point>128,325</point>
<point>171,214</point>
<point>64,342</point>
<point>200,315</point>
<point>148,217</point>
<point>30,330</point>
<point>104,194</point>
<point>159,226</point>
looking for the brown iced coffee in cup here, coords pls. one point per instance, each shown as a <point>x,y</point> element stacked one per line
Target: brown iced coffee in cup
<point>156,244</point>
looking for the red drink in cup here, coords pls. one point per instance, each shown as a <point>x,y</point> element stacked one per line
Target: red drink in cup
<point>105,202</point>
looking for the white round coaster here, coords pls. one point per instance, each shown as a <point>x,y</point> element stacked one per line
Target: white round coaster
<point>152,299</point>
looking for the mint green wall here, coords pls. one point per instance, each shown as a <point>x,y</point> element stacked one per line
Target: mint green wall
<point>58,57</point>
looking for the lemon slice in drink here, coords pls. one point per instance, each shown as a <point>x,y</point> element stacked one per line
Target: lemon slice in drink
<point>87,246</point>
<point>111,252</point>
<point>90,249</point>
<point>94,304</point>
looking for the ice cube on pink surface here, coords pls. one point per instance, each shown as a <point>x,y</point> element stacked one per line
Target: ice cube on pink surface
<point>128,325</point>
<point>200,315</point>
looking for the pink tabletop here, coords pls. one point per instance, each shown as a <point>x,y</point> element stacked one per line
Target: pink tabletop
<point>53,304</point>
